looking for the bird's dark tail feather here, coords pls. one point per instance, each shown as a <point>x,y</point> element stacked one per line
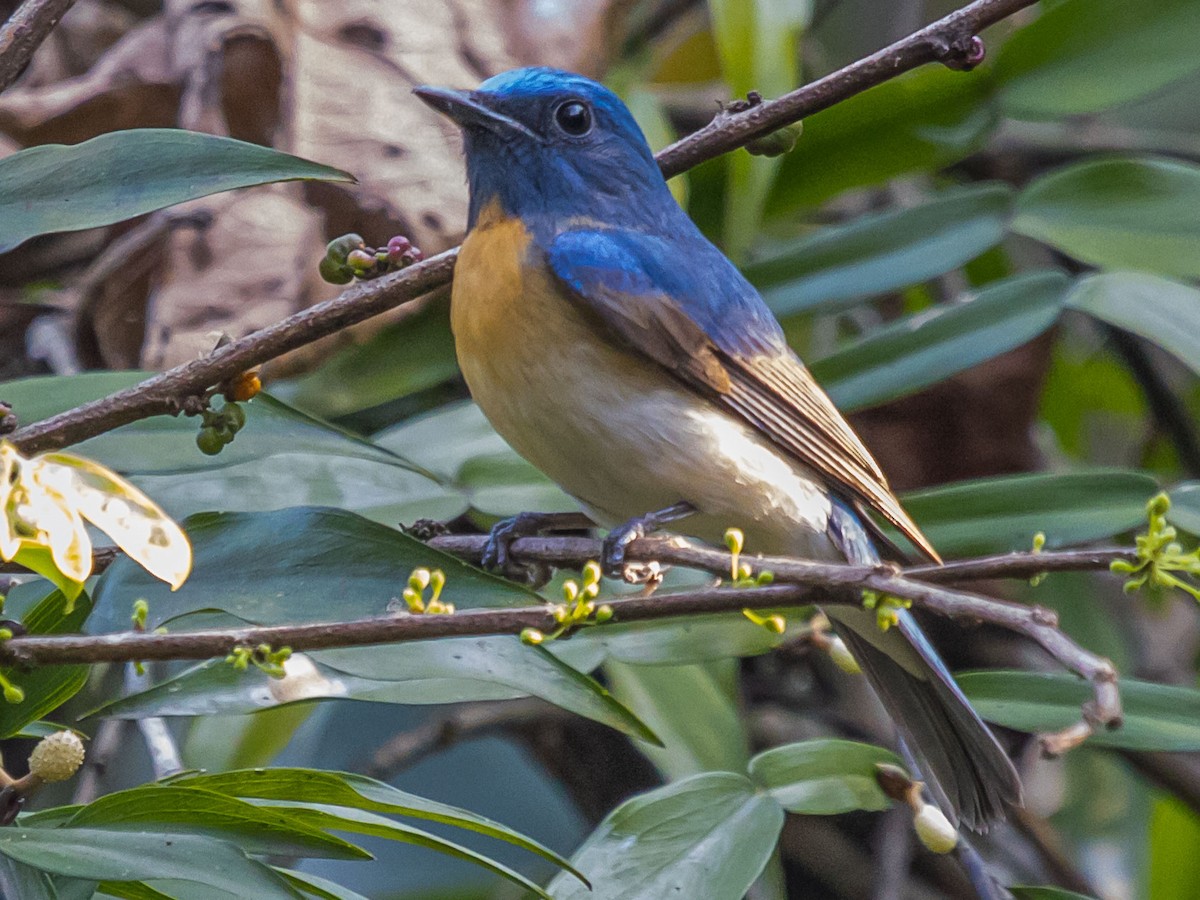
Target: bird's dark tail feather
<point>965,768</point>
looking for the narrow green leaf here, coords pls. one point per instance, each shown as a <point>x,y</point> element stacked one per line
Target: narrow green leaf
<point>318,887</point>
<point>138,890</point>
<point>990,515</point>
<point>1118,213</point>
<point>255,829</point>
<point>1157,716</point>
<point>920,350</point>
<point>333,818</point>
<point>356,792</point>
<point>116,855</point>
<point>688,707</point>
<point>1083,56</point>
<point>705,838</point>
<point>1021,892</point>
<point>46,687</point>
<point>22,882</point>
<point>873,254</point>
<point>1164,312</point>
<point>823,777</point>
<point>758,48</point>
<point>123,174</point>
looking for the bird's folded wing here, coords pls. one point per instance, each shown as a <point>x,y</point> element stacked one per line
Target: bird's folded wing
<point>693,313</point>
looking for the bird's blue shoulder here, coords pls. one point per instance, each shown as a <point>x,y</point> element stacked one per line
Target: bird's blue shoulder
<point>607,266</point>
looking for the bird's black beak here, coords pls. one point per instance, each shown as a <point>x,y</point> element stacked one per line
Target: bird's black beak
<point>470,109</point>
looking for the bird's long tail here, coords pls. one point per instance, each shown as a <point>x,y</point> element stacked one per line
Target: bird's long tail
<point>965,768</point>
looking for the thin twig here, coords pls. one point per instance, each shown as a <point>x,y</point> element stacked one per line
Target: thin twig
<point>23,32</point>
<point>463,722</point>
<point>951,40</point>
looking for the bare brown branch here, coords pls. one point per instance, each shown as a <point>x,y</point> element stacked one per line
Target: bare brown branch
<point>23,32</point>
<point>948,40</point>
<point>797,582</point>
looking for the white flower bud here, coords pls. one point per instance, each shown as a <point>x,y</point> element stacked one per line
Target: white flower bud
<point>934,829</point>
<point>57,757</point>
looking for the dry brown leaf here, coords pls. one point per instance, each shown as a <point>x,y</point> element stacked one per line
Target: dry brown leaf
<point>328,81</point>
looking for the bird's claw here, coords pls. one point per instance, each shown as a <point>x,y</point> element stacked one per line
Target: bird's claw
<point>497,555</point>
<point>612,556</point>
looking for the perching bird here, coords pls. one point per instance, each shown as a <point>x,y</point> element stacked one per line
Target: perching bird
<point>619,351</point>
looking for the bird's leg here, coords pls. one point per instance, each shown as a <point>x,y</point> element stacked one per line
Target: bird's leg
<point>526,524</point>
<point>613,561</point>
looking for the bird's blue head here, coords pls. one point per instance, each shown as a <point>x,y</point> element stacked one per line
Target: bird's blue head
<point>550,146</point>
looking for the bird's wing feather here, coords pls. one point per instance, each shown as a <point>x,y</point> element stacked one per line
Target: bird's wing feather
<point>689,310</point>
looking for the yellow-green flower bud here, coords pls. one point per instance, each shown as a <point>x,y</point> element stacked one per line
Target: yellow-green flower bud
<point>419,579</point>
<point>841,656</point>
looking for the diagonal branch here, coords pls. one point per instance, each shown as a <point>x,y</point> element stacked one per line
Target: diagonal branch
<point>23,32</point>
<point>951,40</point>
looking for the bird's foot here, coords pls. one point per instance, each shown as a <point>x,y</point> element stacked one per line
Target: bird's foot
<point>613,560</point>
<point>497,552</point>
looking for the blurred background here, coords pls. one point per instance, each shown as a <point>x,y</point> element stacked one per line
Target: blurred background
<point>937,248</point>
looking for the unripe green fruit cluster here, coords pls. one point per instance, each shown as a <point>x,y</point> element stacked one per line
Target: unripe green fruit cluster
<point>219,427</point>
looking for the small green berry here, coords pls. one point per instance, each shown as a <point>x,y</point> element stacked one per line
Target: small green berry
<point>209,441</point>
<point>776,143</point>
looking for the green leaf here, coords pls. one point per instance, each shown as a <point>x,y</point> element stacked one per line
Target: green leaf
<point>923,349</point>
<point>990,515</point>
<point>328,564</point>
<point>282,457</point>
<point>1164,312</point>
<point>356,792</point>
<point>918,122</point>
<point>691,710</point>
<point>322,565</point>
<point>457,443</point>
<point>704,838</point>
<point>1157,716</point>
<point>139,890</point>
<point>1185,506</point>
<point>46,687</point>
<point>1173,833</point>
<point>255,829</point>
<point>123,174</point>
<point>758,48</point>
<point>324,816</point>
<point>1021,892</point>
<point>117,855</point>
<point>24,882</point>
<point>1083,56</point>
<point>676,641</point>
<point>873,254</point>
<point>404,357</point>
<point>1118,213</point>
<point>504,484</point>
<point>319,887</point>
<point>497,661</point>
<point>40,559</point>
<point>239,742</point>
<point>823,777</point>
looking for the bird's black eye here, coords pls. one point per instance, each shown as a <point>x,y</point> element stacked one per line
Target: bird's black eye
<point>574,118</point>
